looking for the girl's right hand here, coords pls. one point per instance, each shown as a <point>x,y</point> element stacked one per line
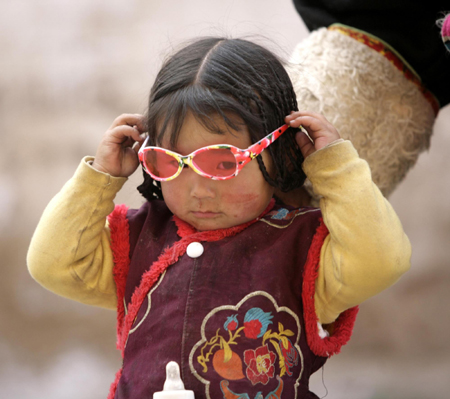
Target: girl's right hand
<point>319,130</point>
<point>117,152</point>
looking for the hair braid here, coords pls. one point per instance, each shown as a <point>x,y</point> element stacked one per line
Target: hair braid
<point>150,189</point>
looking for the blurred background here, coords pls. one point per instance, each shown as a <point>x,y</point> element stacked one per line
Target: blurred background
<point>68,68</point>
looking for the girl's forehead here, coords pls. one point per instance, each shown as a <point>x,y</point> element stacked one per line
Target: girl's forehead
<point>195,134</point>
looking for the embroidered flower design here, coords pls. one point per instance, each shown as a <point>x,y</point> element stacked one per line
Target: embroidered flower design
<point>256,322</point>
<point>260,364</point>
<point>232,323</point>
<point>289,353</point>
<point>250,350</point>
<point>280,214</point>
<point>252,329</point>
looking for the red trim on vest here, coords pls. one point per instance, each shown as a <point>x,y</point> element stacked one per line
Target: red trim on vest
<point>343,326</point>
<point>113,387</point>
<point>120,245</point>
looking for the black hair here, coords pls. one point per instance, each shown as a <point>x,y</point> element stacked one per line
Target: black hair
<point>218,76</point>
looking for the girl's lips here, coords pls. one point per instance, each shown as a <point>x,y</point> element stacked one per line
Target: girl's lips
<point>205,215</point>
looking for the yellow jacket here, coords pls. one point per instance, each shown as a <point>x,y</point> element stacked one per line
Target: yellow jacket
<point>365,252</point>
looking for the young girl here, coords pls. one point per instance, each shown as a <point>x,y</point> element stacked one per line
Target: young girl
<point>247,295</point>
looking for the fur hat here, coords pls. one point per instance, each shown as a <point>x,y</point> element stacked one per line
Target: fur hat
<point>370,95</point>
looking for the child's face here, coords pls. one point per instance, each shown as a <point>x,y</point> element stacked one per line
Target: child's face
<point>210,204</point>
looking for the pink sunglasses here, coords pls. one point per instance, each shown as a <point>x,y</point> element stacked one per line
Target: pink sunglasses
<point>217,162</point>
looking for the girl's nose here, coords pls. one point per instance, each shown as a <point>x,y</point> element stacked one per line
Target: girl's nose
<point>200,187</point>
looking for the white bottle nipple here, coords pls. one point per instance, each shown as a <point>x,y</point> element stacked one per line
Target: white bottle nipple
<point>173,387</point>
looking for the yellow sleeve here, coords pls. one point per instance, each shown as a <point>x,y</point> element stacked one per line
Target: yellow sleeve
<point>70,252</point>
<point>367,249</point>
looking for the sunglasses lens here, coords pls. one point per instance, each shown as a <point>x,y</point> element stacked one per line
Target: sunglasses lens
<point>160,164</point>
<point>216,162</point>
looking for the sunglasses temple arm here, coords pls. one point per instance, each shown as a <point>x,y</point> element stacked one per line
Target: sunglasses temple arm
<point>271,137</point>
<point>144,144</point>
<point>141,152</point>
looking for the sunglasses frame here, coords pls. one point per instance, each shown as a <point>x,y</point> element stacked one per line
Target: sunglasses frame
<point>243,156</point>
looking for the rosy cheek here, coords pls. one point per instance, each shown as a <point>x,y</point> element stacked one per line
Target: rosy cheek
<point>242,204</point>
<point>240,198</point>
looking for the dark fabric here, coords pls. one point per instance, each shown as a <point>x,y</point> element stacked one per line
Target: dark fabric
<point>409,26</point>
<point>241,298</point>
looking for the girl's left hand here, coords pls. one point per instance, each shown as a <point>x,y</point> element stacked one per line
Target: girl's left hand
<point>319,129</point>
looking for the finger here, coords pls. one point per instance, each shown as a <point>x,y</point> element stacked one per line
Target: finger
<point>302,139</point>
<point>137,146</point>
<point>130,120</point>
<point>141,126</point>
<point>137,135</point>
<point>322,132</point>
<point>134,138</point>
<point>297,114</point>
<point>305,132</point>
<point>310,123</point>
<point>123,134</point>
<point>305,143</point>
<point>128,142</point>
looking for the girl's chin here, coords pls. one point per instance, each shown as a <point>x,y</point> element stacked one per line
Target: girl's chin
<point>205,223</point>
<point>206,215</point>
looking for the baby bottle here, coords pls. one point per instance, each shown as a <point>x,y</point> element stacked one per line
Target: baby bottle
<point>173,387</point>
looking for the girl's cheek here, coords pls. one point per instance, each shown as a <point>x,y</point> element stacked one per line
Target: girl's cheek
<point>245,205</point>
<point>240,198</point>
<point>241,204</point>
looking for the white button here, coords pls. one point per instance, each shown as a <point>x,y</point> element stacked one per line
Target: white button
<point>194,249</point>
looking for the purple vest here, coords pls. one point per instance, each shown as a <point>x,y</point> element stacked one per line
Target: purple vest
<point>232,318</point>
